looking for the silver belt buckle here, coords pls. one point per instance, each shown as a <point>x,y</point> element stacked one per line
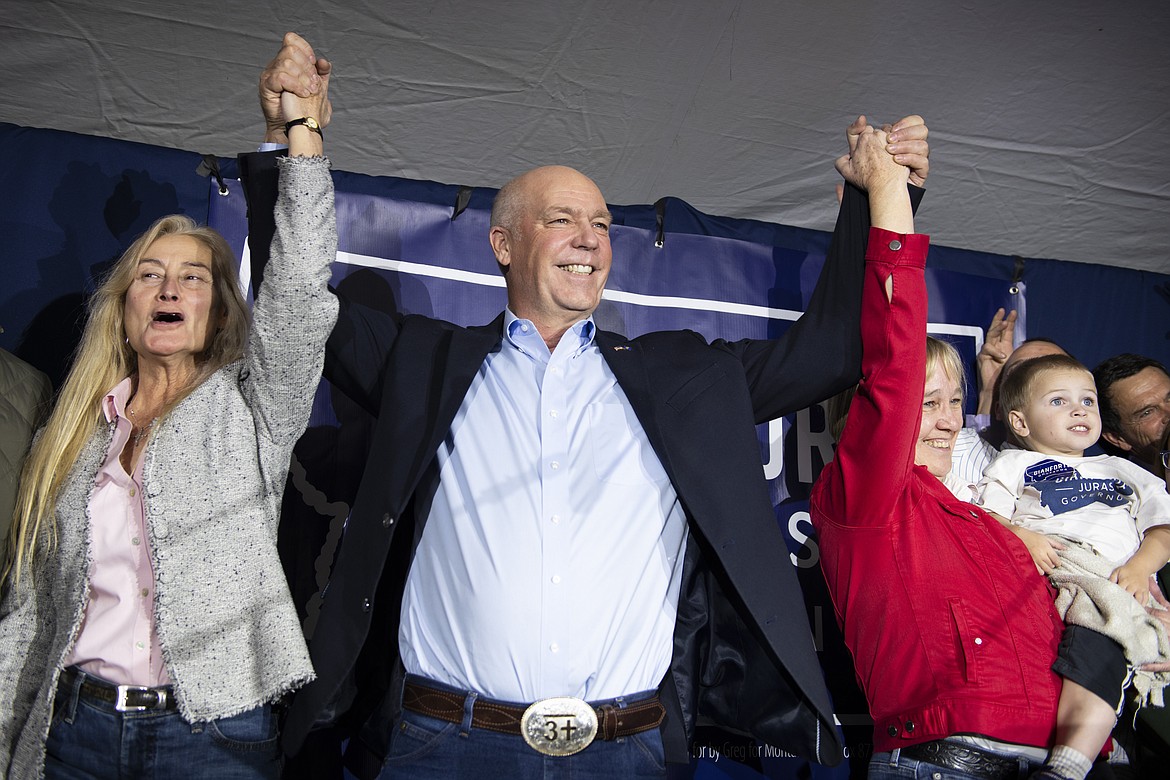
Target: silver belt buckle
<point>560,726</point>
<point>121,705</point>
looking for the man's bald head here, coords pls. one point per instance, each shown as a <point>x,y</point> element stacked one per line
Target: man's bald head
<point>517,194</point>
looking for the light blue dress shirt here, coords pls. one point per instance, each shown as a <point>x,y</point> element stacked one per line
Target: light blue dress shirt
<point>551,560</point>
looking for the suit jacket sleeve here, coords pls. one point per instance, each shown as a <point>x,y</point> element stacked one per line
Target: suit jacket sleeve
<point>820,354</point>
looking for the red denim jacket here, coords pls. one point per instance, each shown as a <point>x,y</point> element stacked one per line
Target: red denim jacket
<point>951,628</point>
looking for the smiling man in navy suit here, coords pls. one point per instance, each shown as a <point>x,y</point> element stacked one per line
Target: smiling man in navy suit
<point>563,553</point>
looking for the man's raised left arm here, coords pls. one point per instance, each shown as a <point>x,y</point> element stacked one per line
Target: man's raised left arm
<point>820,354</point>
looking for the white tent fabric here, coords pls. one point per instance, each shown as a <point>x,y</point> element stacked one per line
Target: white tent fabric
<point>1047,118</point>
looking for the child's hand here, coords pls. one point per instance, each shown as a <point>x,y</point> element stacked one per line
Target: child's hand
<point>1162,613</point>
<point>1042,549</point>
<point>1134,579</point>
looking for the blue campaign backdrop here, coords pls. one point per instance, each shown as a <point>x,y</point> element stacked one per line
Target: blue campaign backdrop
<point>74,202</point>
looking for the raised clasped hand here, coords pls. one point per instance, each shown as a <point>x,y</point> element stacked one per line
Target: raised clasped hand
<point>906,141</point>
<point>294,84</point>
<point>869,165</point>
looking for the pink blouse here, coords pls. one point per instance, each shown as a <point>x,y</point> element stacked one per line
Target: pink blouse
<point>117,640</point>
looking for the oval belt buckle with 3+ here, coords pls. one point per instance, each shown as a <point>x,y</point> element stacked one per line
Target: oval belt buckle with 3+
<point>560,726</point>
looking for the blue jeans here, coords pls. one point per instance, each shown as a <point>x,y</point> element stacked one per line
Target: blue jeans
<point>89,740</point>
<point>425,748</point>
<point>895,766</point>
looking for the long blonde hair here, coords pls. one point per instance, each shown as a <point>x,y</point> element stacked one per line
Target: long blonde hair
<point>103,358</point>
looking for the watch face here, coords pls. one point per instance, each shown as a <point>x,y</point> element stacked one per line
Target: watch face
<point>311,123</point>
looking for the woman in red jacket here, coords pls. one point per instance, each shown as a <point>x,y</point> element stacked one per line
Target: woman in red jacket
<point>952,631</point>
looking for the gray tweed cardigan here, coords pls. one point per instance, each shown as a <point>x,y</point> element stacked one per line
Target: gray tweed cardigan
<point>213,475</point>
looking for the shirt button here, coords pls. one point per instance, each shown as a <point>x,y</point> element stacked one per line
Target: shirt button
<point>131,492</point>
<point>134,540</point>
<point>365,605</point>
<point>556,370</point>
<point>145,593</point>
<point>554,647</point>
<point>909,727</point>
<point>978,640</point>
<point>387,520</point>
<point>556,519</point>
<point>556,579</point>
<point>895,245</point>
<point>553,414</point>
<point>892,731</point>
<point>554,465</point>
<point>139,645</point>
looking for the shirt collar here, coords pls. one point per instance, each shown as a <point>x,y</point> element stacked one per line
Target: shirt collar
<point>523,335</point>
<point>114,404</point>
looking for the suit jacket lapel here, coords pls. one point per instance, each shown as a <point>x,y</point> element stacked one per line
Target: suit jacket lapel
<point>469,348</point>
<point>627,360</point>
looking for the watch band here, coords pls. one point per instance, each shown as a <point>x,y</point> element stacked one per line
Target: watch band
<point>308,121</point>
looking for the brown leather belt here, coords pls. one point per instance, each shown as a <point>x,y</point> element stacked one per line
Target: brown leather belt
<point>612,721</point>
<point>125,698</point>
